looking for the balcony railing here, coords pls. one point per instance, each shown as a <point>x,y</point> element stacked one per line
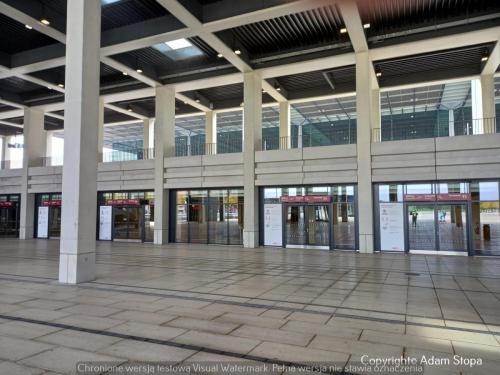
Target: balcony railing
<point>127,155</point>
<point>424,129</point>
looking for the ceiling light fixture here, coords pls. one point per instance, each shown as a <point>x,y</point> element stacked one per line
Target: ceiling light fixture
<point>378,72</point>
<point>45,21</point>
<point>366,25</point>
<point>219,55</point>
<point>139,70</point>
<point>484,57</point>
<point>343,30</point>
<point>178,44</point>
<point>125,73</point>
<point>28,27</point>
<point>61,85</point>
<point>237,52</point>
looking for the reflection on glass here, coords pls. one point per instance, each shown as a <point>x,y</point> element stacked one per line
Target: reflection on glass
<point>295,225</point>
<point>217,225</point>
<point>485,191</point>
<point>235,222</point>
<point>120,223</point>
<point>181,227</point>
<point>421,227</point>
<point>452,187</point>
<point>452,221</point>
<point>197,223</point>
<point>8,221</point>
<point>419,188</point>
<point>149,222</point>
<point>318,226</point>
<point>486,227</point>
<point>55,222</point>
<point>134,223</point>
<point>344,227</point>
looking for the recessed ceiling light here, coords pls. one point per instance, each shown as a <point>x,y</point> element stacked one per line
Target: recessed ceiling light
<point>139,70</point>
<point>60,85</point>
<point>45,21</point>
<point>28,27</point>
<point>125,73</point>
<point>366,26</point>
<point>130,109</point>
<point>378,74</point>
<point>197,100</point>
<point>484,58</point>
<point>237,51</point>
<point>219,55</point>
<point>343,30</point>
<point>178,43</point>
<point>278,88</point>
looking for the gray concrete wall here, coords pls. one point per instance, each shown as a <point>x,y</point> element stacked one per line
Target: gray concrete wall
<point>462,157</point>
<point>311,165</point>
<point>126,175</point>
<point>10,181</point>
<point>223,170</point>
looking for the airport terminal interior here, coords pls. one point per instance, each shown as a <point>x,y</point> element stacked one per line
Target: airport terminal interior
<point>259,186</point>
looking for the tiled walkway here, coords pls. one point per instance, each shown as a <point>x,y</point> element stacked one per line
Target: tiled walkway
<point>193,304</point>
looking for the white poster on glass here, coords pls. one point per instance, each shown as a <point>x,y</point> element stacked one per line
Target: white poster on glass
<point>105,214</point>
<point>392,232</point>
<point>273,225</point>
<point>43,222</point>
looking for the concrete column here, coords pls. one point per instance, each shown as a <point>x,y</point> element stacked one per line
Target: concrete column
<point>364,105</point>
<point>300,139</point>
<point>3,157</point>
<point>188,144</point>
<point>451,123</point>
<point>35,146</point>
<point>477,107</point>
<point>211,132</point>
<point>81,133</point>
<point>252,141</point>
<point>488,102</point>
<point>164,135</point>
<point>100,138</point>
<point>285,132</point>
<point>49,151</point>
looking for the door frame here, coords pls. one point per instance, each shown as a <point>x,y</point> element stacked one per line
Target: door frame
<point>306,219</point>
<point>467,251</point>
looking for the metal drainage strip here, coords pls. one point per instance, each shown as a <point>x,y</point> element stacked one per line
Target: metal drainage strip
<point>170,343</point>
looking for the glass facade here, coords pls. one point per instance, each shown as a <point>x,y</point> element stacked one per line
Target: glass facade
<point>9,215</point>
<point>132,214</point>
<point>458,216</point>
<point>209,216</point>
<point>311,216</point>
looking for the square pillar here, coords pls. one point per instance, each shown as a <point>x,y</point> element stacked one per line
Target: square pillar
<point>365,114</point>
<point>100,139</point>
<point>210,133</point>
<point>35,146</point>
<point>376,127</point>
<point>4,156</point>
<point>146,145</point>
<point>81,133</point>
<point>252,141</point>
<point>285,131</point>
<point>477,107</point>
<point>164,137</point>
<point>488,103</point>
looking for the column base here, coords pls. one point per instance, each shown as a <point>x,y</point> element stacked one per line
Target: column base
<point>26,233</point>
<point>250,239</point>
<point>76,268</point>
<point>160,236</point>
<point>366,243</point>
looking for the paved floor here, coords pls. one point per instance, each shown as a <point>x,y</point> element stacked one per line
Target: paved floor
<point>266,307</point>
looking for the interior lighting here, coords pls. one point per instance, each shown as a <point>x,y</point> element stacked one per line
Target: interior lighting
<point>28,27</point>
<point>45,21</point>
<point>237,52</point>
<point>343,30</point>
<point>366,25</point>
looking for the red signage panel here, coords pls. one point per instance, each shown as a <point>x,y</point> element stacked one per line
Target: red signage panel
<point>52,203</point>
<point>123,202</point>
<point>420,197</point>
<point>453,197</point>
<point>307,199</point>
<point>8,204</point>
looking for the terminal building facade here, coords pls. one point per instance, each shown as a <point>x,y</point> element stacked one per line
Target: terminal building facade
<point>314,124</point>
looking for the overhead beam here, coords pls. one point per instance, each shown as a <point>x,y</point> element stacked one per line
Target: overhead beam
<point>493,62</point>
<point>125,111</point>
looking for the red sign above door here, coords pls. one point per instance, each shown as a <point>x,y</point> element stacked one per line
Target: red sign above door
<point>8,204</point>
<point>437,197</point>
<point>52,203</point>
<point>307,199</point>
<point>123,202</point>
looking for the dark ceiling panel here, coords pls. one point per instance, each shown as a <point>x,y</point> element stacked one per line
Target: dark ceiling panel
<point>15,37</point>
<point>310,28</point>
<point>390,19</point>
<point>126,12</point>
<point>439,65</point>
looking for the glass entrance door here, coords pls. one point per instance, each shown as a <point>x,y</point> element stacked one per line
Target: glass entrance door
<point>452,219</point>
<point>55,222</point>
<point>307,226</point>
<point>8,221</point>
<point>318,226</point>
<point>295,225</point>
<point>421,227</point>
<point>127,223</point>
